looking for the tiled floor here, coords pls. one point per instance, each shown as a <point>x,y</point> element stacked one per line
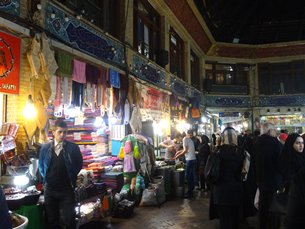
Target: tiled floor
<point>176,214</point>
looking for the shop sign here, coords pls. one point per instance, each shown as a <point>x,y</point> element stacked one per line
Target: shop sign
<point>154,99</point>
<point>9,63</point>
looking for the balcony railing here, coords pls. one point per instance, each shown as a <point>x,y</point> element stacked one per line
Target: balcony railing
<point>229,89</point>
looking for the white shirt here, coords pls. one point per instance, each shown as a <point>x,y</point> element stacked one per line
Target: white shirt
<point>189,144</point>
<point>57,147</point>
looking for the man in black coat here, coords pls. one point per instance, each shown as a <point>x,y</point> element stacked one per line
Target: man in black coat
<point>269,179</point>
<point>5,219</point>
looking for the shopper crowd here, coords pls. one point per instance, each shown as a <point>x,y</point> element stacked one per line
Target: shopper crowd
<point>275,164</point>
<point>277,167</point>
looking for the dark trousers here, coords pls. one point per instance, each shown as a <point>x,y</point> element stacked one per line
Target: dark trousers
<point>228,216</point>
<point>190,175</point>
<point>60,208</point>
<point>267,219</point>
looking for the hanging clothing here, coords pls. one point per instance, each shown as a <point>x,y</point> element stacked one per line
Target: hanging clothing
<point>126,112</point>
<point>79,71</point>
<point>114,78</point>
<point>46,91</point>
<point>66,89</point>
<point>77,94</point>
<point>64,62</point>
<point>119,108</point>
<point>53,87</point>
<point>136,120</point>
<point>47,57</point>
<point>92,74</point>
<point>101,86</point>
<point>58,95</point>
<point>33,57</point>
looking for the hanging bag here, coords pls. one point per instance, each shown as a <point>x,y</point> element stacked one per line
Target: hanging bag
<point>128,145</point>
<point>279,201</point>
<point>212,168</point>
<point>121,153</point>
<point>136,152</point>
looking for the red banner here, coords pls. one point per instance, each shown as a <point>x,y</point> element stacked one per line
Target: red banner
<point>154,99</point>
<point>9,63</point>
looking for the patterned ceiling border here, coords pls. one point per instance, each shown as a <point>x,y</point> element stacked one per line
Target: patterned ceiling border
<point>78,35</point>
<point>10,6</point>
<point>291,100</point>
<point>227,101</point>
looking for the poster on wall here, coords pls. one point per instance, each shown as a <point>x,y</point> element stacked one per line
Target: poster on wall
<point>154,103</point>
<point>9,63</point>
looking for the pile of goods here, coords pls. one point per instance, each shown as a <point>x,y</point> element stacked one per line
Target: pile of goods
<point>15,197</point>
<point>16,219</point>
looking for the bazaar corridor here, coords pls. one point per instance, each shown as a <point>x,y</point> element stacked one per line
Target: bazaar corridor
<point>173,214</point>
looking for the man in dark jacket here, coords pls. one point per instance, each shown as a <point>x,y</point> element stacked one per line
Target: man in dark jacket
<point>269,179</point>
<point>59,163</point>
<point>5,219</point>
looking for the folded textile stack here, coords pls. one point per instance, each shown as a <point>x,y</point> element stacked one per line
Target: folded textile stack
<point>114,180</point>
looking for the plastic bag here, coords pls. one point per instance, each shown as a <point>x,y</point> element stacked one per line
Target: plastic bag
<point>121,153</point>
<point>149,197</point>
<point>136,152</point>
<point>128,146</point>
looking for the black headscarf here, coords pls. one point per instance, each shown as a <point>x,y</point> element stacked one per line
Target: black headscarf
<point>290,161</point>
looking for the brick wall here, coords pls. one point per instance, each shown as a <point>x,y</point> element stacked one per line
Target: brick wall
<point>16,103</point>
<point>187,18</point>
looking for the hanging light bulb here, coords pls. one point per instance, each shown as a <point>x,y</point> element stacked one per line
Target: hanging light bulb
<point>29,111</point>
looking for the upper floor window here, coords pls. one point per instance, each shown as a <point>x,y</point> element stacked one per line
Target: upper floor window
<point>146,29</point>
<point>227,74</point>
<point>195,79</point>
<point>227,78</point>
<point>281,78</point>
<point>176,54</point>
<point>103,14</point>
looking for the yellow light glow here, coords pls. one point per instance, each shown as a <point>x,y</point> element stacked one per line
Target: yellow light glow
<point>164,124</point>
<point>181,126</point>
<point>29,111</point>
<point>245,124</point>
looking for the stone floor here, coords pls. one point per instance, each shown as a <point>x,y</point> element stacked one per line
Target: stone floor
<point>173,214</point>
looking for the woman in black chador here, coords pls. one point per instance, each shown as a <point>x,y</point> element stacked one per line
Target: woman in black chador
<point>292,158</point>
<point>227,192</point>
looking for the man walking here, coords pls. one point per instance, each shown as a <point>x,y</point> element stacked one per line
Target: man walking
<point>267,151</point>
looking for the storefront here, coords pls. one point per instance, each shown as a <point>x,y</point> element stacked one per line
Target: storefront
<point>292,123</point>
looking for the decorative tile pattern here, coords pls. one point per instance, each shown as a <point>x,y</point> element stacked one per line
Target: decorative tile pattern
<point>227,101</point>
<point>10,6</point>
<point>287,100</point>
<point>178,87</point>
<point>78,35</point>
<point>148,72</point>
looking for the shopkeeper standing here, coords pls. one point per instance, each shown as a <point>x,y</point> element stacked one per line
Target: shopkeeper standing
<point>59,163</point>
<point>190,157</point>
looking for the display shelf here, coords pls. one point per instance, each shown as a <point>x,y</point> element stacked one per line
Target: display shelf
<point>85,143</point>
<point>81,129</point>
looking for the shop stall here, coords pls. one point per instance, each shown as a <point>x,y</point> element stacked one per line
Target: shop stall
<point>292,123</point>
